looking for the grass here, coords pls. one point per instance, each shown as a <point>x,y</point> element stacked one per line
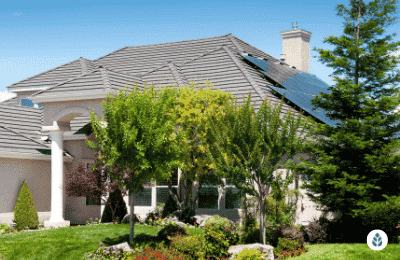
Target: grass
<point>349,252</point>
<point>74,242</point>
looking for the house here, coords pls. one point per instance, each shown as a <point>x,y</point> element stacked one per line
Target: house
<point>54,105</point>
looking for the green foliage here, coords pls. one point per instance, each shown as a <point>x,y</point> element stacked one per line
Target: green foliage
<point>4,228</point>
<point>317,231</point>
<point>382,215</point>
<point>303,230</point>
<point>115,208</point>
<point>285,245</point>
<point>354,162</point>
<point>251,227</point>
<point>139,139</point>
<point>171,230</point>
<point>170,206</point>
<point>248,254</point>
<point>195,108</point>
<point>219,233</point>
<point>256,144</point>
<point>292,233</point>
<point>25,213</point>
<point>189,245</point>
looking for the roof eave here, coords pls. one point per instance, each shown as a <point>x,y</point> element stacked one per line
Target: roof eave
<point>67,97</point>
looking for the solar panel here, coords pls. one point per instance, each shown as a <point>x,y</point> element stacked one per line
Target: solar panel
<point>298,87</point>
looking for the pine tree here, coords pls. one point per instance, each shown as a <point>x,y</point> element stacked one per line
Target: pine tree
<point>355,164</point>
<point>25,213</point>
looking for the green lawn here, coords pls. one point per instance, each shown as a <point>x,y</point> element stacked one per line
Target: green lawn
<point>74,242</point>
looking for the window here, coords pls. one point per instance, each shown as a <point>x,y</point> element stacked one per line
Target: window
<point>93,201</point>
<point>28,103</point>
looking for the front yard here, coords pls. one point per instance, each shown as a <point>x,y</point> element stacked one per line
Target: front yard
<point>74,242</point>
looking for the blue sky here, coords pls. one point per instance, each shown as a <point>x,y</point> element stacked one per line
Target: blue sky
<point>40,35</point>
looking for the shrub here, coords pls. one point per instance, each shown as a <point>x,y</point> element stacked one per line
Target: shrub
<point>5,228</point>
<point>292,233</point>
<point>171,230</point>
<point>250,227</point>
<point>117,204</point>
<point>155,216</point>
<point>189,245</point>
<point>303,230</point>
<point>317,231</point>
<point>25,213</point>
<point>219,234</point>
<point>137,254</point>
<point>170,206</point>
<point>285,245</point>
<point>382,215</point>
<point>248,254</point>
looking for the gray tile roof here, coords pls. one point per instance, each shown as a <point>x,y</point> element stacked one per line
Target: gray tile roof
<point>25,120</point>
<point>215,59</point>
<point>99,80</point>
<point>55,76</point>
<point>12,142</point>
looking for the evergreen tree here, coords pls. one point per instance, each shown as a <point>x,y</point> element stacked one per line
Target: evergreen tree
<point>355,165</point>
<point>25,213</point>
<point>115,207</point>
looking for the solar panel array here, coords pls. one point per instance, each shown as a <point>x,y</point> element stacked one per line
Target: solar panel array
<point>299,88</point>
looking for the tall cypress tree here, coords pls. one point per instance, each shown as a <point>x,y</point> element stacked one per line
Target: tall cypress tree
<point>355,164</point>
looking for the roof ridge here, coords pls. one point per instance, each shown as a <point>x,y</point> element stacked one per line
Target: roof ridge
<point>110,53</point>
<point>154,69</point>
<point>40,92</point>
<point>245,73</point>
<point>83,65</point>
<point>42,73</point>
<point>177,75</point>
<point>106,80</point>
<point>233,40</point>
<point>17,133</point>
<point>147,45</point>
<point>204,54</point>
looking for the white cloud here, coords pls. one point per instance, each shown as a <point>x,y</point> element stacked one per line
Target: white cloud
<point>5,95</point>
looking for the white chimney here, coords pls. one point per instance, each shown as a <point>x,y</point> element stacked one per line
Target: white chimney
<point>296,48</point>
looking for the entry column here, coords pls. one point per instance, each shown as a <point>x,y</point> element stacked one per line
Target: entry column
<point>57,178</point>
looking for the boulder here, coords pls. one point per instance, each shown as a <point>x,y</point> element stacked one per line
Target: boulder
<point>266,250</point>
<point>125,220</point>
<point>123,246</point>
<point>201,219</point>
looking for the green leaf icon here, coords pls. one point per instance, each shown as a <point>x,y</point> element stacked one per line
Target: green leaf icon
<point>377,240</point>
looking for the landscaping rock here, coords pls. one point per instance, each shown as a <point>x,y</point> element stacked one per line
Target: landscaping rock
<point>175,220</point>
<point>267,250</point>
<point>125,220</point>
<point>201,219</point>
<point>124,246</point>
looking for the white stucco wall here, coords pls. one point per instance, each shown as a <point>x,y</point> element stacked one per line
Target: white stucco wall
<point>36,173</point>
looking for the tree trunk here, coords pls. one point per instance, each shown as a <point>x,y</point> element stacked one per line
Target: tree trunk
<point>262,221</point>
<point>131,220</point>
<point>173,195</point>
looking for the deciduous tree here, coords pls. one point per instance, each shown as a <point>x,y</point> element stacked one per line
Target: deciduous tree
<point>140,138</point>
<point>250,148</point>
<point>195,108</point>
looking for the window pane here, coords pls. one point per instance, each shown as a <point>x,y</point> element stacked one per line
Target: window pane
<point>233,199</point>
<point>143,198</point>
<point>93,201</point>
<point>208,197</point>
